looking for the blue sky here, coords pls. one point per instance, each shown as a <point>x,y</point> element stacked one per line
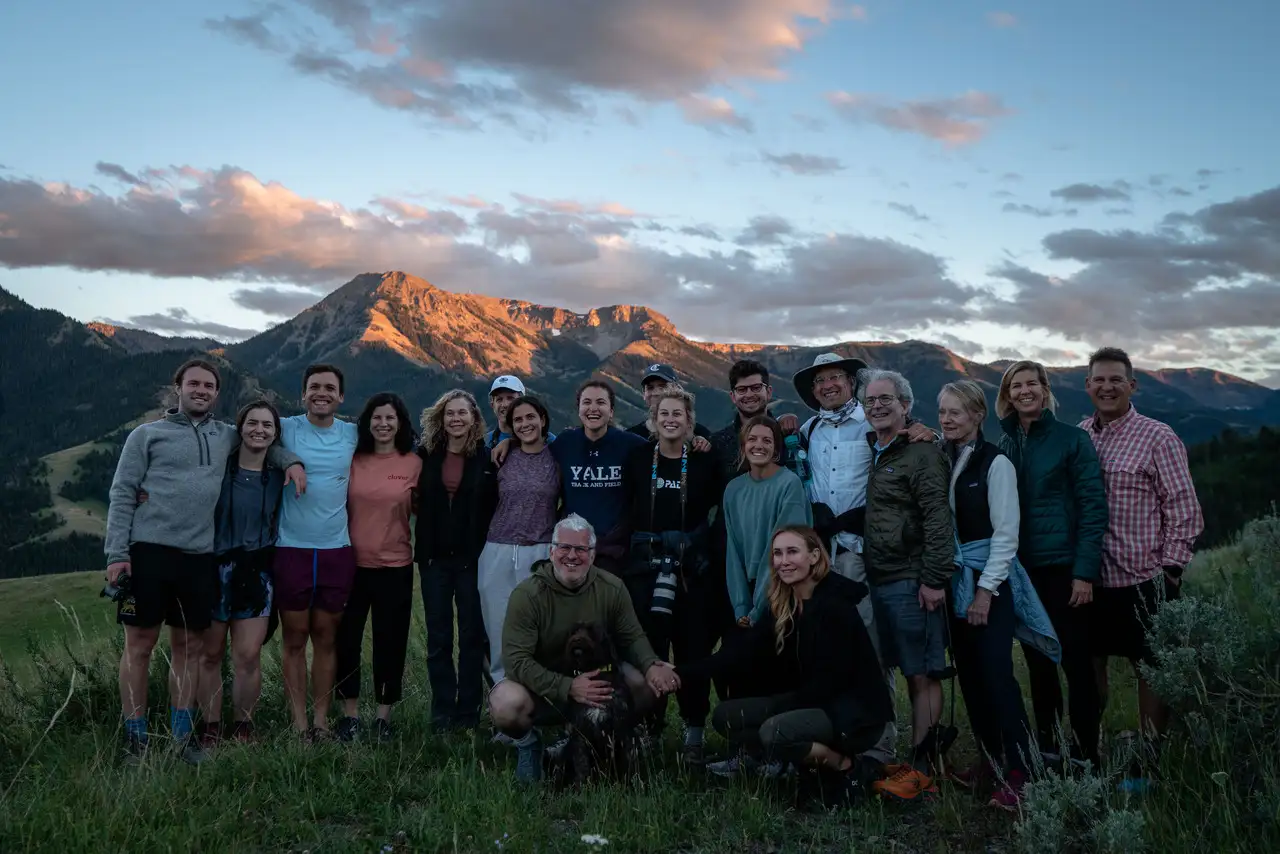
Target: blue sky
<point>1001,178</point>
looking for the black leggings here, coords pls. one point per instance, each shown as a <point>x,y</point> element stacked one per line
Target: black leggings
<point>772,726</point>
<point>1053,585</point>
<point>456,695</point>
<point>387,592</point>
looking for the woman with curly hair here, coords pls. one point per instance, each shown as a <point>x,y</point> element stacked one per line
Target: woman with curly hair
<point>454,494</point>
<point>837,703</point>
<point>380,501</point>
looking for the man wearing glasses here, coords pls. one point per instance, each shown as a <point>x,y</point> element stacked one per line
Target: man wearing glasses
<point>544,609</point>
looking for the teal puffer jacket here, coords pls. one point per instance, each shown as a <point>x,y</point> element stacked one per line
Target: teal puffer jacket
<point>1064,502</point>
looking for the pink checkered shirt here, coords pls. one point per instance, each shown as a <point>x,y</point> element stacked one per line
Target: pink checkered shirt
<point>1154,514</point>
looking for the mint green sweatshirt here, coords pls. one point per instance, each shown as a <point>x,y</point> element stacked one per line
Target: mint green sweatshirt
<point>753,510</point>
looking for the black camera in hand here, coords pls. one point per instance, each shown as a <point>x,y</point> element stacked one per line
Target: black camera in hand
<point>122,589</point>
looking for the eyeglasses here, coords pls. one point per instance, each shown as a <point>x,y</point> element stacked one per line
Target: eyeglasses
<point>749,389</point>
<point>566,548</point>
<point>882,400</point>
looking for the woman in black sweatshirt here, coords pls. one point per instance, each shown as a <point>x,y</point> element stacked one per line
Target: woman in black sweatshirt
<point>672,490</point>
<point>455,503</point>
<point>837,703</point>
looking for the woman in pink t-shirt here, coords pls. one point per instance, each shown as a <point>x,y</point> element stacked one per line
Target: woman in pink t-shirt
<point>380,503</point>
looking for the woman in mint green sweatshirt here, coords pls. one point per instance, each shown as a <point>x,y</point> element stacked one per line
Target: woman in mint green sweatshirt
<point>755,506</point>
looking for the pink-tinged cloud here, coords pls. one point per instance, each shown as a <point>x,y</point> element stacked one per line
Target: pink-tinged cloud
<point>712,112</point>
<point>474,202</point>
<point>571,206</point>
<point>957,121</point>
<point>462,62</point>
<point>1003,20</point>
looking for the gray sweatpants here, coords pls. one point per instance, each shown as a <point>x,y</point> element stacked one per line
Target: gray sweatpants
<point>850,565</point>
<point>500,569</point>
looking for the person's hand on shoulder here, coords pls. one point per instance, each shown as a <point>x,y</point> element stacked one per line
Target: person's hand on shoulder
<point>296,475</point>
<point>500,452</point>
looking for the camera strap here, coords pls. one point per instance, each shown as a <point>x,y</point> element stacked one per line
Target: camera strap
<point>684,493</point>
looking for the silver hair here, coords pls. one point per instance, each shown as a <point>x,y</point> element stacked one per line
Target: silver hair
<point>574,522</point>
<point>900,385</point>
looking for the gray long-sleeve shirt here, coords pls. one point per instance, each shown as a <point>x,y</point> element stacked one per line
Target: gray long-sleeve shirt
<point>180,465</point>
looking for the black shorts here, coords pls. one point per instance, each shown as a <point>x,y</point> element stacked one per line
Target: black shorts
<point>169,586</point>
<point>1122,617</point>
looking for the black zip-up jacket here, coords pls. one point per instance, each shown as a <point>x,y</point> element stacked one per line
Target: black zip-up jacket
<point>828,654</point>
<point>454,527</point>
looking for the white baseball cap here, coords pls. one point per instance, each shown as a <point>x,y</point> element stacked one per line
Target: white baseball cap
<point>507,382</point>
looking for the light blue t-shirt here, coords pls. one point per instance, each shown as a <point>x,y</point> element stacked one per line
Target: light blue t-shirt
<point>318,520</point>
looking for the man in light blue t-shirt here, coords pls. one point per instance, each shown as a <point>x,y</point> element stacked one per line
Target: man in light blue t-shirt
<point>314,565</point>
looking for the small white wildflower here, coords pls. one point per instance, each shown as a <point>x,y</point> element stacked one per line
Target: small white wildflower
<point>593,839</point>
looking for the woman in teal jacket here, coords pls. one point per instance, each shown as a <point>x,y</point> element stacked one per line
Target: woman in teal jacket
<point>1064,515</point>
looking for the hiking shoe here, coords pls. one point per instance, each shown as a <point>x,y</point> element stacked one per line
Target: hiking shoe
<point>905,784</point>
<point>1009,796</point>
<point>192,751</point>
<point>135,749</point>
<point>500,737</point>
<point>347,730</point>
<point>529,762</point>
<point>382,730</point>
<point>315,735</point>
<point>743,764</point>
<point>242,732</point>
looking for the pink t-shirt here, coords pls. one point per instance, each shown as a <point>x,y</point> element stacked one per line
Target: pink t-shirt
<point>379,505</point>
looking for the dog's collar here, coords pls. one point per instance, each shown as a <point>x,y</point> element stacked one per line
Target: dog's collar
<point>608,668</point>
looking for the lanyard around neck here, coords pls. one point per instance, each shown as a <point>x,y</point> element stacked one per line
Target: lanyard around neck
<point>684,482</point>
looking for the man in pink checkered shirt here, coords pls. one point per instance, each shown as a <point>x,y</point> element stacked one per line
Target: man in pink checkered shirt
<point>1154,521</point>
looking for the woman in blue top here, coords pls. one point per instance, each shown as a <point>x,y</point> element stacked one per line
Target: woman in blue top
<point>767,498</point>
<point>245,527</point>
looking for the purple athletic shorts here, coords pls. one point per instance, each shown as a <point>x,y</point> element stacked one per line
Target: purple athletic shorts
<point>314,579</point>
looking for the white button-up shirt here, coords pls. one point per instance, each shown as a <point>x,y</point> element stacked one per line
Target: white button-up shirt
<point>839,464</point>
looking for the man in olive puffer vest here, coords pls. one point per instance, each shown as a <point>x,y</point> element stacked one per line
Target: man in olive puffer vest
<point>909,551</point>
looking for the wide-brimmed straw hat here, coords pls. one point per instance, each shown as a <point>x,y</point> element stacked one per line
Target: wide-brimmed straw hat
<point>803,379</point>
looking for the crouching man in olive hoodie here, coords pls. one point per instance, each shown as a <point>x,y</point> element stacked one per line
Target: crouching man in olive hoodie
<point>541,615</point>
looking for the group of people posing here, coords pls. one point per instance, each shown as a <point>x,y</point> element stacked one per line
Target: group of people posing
<point>795,566</point>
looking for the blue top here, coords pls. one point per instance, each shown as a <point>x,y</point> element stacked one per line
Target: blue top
<point>591,475</point>
<point>318,520</point>
<point>1031,623</point>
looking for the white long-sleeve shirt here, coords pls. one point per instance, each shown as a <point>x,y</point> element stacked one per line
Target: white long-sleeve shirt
<point>839,464</point>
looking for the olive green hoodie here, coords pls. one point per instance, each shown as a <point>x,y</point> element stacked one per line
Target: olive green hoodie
<point>541,615</point>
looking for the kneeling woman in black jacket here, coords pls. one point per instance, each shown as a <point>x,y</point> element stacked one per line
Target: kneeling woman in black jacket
<point>838,703</point>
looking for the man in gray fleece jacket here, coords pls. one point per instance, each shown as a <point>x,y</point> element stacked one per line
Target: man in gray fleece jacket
<point>165,543</point>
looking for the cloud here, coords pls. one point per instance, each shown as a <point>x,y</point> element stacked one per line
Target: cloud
<point>113,170</point>
<point>956,121</point>
<point>570,206</point>
<point>284,250</point>
<point>179,321</point>
<point>277,302</point>
<point>712,112</point>
<point>765,230</point>
<point>462,62</point>
<point>908,211</point>
<point>804,164</point>
<point>705,231</point>
<point>1202,276</point>
<point>433,222</point>
<point>956,344</point>
<point>473,202</point>
<point>1118,192</point>
<point>1002,19</point>
<point>1032,210</point>
<point>1011,177</point>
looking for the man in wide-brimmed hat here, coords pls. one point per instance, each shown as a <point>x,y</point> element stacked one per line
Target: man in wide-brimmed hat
<point>839,462</point>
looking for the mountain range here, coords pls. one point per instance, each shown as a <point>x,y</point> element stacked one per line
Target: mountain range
<point>69,389</point>
<point>66,383</point>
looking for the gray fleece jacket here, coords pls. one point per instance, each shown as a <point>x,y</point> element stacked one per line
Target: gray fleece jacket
<point>180,464</point>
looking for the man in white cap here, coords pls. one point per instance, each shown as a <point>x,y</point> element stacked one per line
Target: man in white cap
<point>502,394</point>
<point>839,462</point>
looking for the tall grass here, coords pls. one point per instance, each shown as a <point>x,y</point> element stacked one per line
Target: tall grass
<point>63,789</point>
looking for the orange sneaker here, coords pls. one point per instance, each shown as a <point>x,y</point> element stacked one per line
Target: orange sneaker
<point>905,784</point>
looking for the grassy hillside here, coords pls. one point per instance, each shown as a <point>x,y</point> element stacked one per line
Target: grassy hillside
<point>60,788</point>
